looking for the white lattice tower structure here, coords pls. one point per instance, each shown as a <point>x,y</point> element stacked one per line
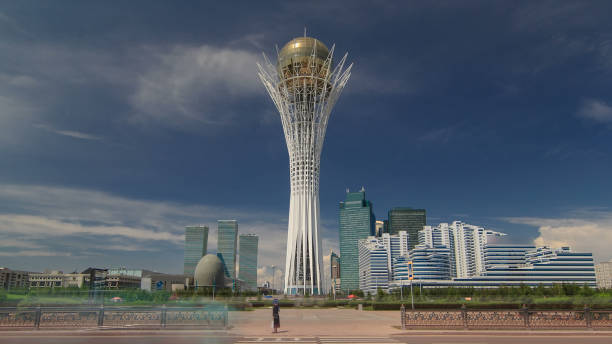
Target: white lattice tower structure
<point>304,87</point>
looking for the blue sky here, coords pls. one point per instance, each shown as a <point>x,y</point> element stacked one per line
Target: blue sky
<point>121,124</point>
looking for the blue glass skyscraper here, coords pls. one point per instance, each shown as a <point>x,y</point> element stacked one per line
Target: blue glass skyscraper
<point>196,242</point>
<point>227,240</point>
<point>248,261</point>
<point>356,222</point>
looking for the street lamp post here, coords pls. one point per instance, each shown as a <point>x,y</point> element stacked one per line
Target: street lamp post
<point>411,295</point>
<point>273,278</point>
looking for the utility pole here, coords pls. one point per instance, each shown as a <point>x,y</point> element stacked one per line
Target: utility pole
<point>411,295</point>
<point>273,278</point>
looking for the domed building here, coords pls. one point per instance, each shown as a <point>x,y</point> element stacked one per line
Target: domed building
<point>209,272</point>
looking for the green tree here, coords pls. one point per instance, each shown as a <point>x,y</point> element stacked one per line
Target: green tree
<point>587,291</point>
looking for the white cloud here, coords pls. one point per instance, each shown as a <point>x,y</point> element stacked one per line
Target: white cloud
<point>596,110</point>
<point>273,275</point>
<point>592,234</point>
<point>35,253</point>
<point>12,243</point>
<point>18,80</point>
<point>39,225</point>
<point>69,133</point>
<point>85,223</point>
<point>186,84</point>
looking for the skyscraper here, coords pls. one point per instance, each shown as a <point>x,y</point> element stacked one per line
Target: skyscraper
<point>409,220</point>
<point>356,222</point>
<point>379,228</point>
<point>227,238</point>
<point>248,260</point>
<point>196,243</point>
<point>304,86</point>
<point>334,262</point>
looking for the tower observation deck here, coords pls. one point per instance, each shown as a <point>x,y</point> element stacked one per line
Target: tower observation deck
<point>304,86</point>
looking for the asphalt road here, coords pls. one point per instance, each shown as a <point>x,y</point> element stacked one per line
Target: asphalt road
<point>177,338</point>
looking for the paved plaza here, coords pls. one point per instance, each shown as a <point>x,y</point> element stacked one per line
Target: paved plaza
<point>319,322</point>
<point>306,326</point>
<point>204,337</point>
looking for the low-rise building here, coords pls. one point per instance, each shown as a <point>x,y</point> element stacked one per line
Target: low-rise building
<point>12,279</point>
<point>146,279</point>
<point>58,279</point>
<point>603,273</point>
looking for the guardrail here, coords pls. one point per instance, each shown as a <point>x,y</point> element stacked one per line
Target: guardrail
<point>523,318</point>
<point>125,317</point>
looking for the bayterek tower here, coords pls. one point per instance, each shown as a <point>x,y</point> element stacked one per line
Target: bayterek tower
<point>304,85</point>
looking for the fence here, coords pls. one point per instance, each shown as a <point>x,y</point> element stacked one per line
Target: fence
<point>138,317</point>
<point>523,318</point>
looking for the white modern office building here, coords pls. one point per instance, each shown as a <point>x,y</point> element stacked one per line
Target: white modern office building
<point>463,255</point>
<point>304,86</point>
<point>507,255</point>
<point>373,265</point>
<point>396,246</point>
<point>544,266</point>
<point>467,244</point>
<point>430,263</point>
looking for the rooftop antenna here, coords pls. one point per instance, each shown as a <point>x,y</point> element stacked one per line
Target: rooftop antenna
<point>304,31</point>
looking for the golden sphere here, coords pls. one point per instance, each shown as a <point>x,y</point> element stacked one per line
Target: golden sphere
<point>300,50</point>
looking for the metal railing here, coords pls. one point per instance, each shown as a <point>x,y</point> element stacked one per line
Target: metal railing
<point>523,318</point>
<point>124,317</point>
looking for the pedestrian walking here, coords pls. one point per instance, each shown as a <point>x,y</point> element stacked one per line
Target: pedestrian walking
<point>275,315</point>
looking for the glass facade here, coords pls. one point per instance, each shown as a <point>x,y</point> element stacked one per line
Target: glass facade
<point>227,240</point>
<point>409,220</point>
<point>248,261</point>
<point>196,243</point>
<point>356,222</point>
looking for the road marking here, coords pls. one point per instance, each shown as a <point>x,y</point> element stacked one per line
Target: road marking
<point>278,340</point>
<point>353,340</point>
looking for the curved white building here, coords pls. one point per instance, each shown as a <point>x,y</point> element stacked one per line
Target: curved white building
<point>304,86</point>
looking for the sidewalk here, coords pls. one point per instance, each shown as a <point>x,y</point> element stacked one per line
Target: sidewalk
<point>316,322</point>
<point>308,322</point>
